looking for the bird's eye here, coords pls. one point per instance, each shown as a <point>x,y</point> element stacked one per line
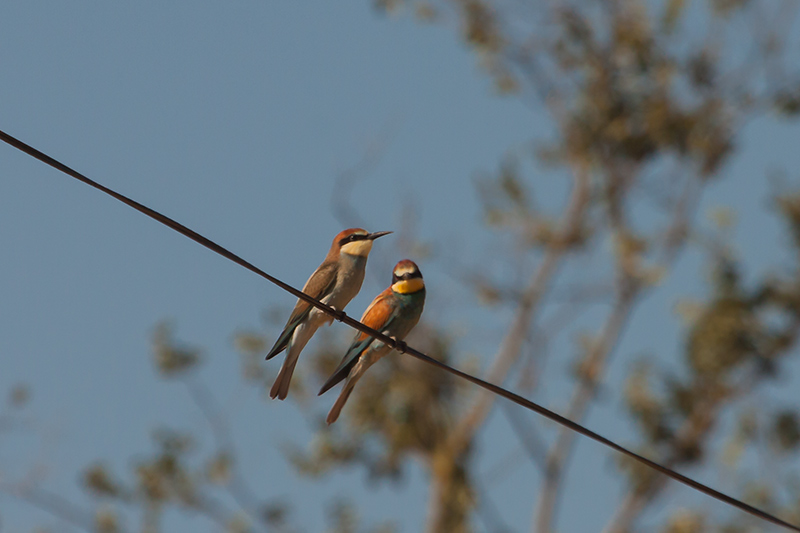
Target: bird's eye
<point>351,238</point>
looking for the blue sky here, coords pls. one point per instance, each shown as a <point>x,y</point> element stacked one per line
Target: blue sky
<point>235,118</point>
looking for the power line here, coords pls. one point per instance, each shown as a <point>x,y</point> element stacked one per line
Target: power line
<point>397,345</point>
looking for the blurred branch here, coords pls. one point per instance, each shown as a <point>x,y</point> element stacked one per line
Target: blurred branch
<point>593,366</point>
<point>697,424</point>
<point>53,504</point>
<point>591,371</point>
<point>492,518</point>
<point>694,430</point>
<point>523,427</point>
<point>236,485</point>
<point>511,345</point>
<point>531,443</point>
<point>215,511</point>
<point>449,470</point>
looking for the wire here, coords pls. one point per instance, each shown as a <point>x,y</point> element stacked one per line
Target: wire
<point>398,345</point>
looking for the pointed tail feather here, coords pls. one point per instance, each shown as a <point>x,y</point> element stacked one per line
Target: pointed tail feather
<point>302,334</point>
<point>288,332</point>
<point>340,401</point>
<point>348,362</point>
<point>281,386</point>
<point>278,348</point>
<point>339,375</point>
<point>282,342</point>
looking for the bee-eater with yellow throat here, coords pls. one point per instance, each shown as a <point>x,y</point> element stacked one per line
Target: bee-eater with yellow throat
<point>335,282</point>
<point>394,312</point>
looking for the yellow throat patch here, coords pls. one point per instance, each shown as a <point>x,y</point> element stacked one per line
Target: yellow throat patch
<point>408,286</point>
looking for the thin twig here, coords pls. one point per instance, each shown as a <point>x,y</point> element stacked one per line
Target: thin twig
<point>54,505</point>
<point>238,488</point>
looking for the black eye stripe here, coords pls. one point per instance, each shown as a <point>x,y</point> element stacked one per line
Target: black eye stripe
<point>353,237</point>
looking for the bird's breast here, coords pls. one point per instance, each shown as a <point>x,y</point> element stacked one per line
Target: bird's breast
<point>349,279</point>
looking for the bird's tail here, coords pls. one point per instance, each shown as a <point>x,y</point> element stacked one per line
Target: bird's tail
<point>281,386</point>
<point>298,341</point>
<point>340,401</point>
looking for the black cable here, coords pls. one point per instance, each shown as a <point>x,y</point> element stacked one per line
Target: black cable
<point>397,345</point>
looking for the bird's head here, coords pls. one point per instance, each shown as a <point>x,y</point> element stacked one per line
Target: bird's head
<point>406,277</point>
<point>356,241</point>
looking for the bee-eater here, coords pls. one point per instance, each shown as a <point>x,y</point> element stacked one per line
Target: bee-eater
<point>335,282</point>
<point>394,312</point>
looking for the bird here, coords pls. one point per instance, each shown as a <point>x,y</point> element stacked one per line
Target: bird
<point>335,282</point>
<point>394,312</point>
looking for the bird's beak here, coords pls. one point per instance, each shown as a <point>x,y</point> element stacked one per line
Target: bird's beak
<point>373,236</point>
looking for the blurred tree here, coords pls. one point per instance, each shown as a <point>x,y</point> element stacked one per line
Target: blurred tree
<point>646,101</point>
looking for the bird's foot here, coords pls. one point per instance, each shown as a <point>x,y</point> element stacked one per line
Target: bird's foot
<point>399,345</point>
<point>339,314</point>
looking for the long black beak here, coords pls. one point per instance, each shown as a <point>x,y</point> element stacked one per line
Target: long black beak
<point>373,236</point>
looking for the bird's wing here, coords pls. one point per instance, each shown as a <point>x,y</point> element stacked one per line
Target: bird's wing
<point>318,286</point>
<point>378,316</point>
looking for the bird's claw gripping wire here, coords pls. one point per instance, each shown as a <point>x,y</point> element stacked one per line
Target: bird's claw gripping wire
<point>339,314</point>
<point>400,346</point>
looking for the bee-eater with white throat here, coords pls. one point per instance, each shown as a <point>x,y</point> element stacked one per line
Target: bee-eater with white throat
<point>394,312</point>
<point>335,282</point>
